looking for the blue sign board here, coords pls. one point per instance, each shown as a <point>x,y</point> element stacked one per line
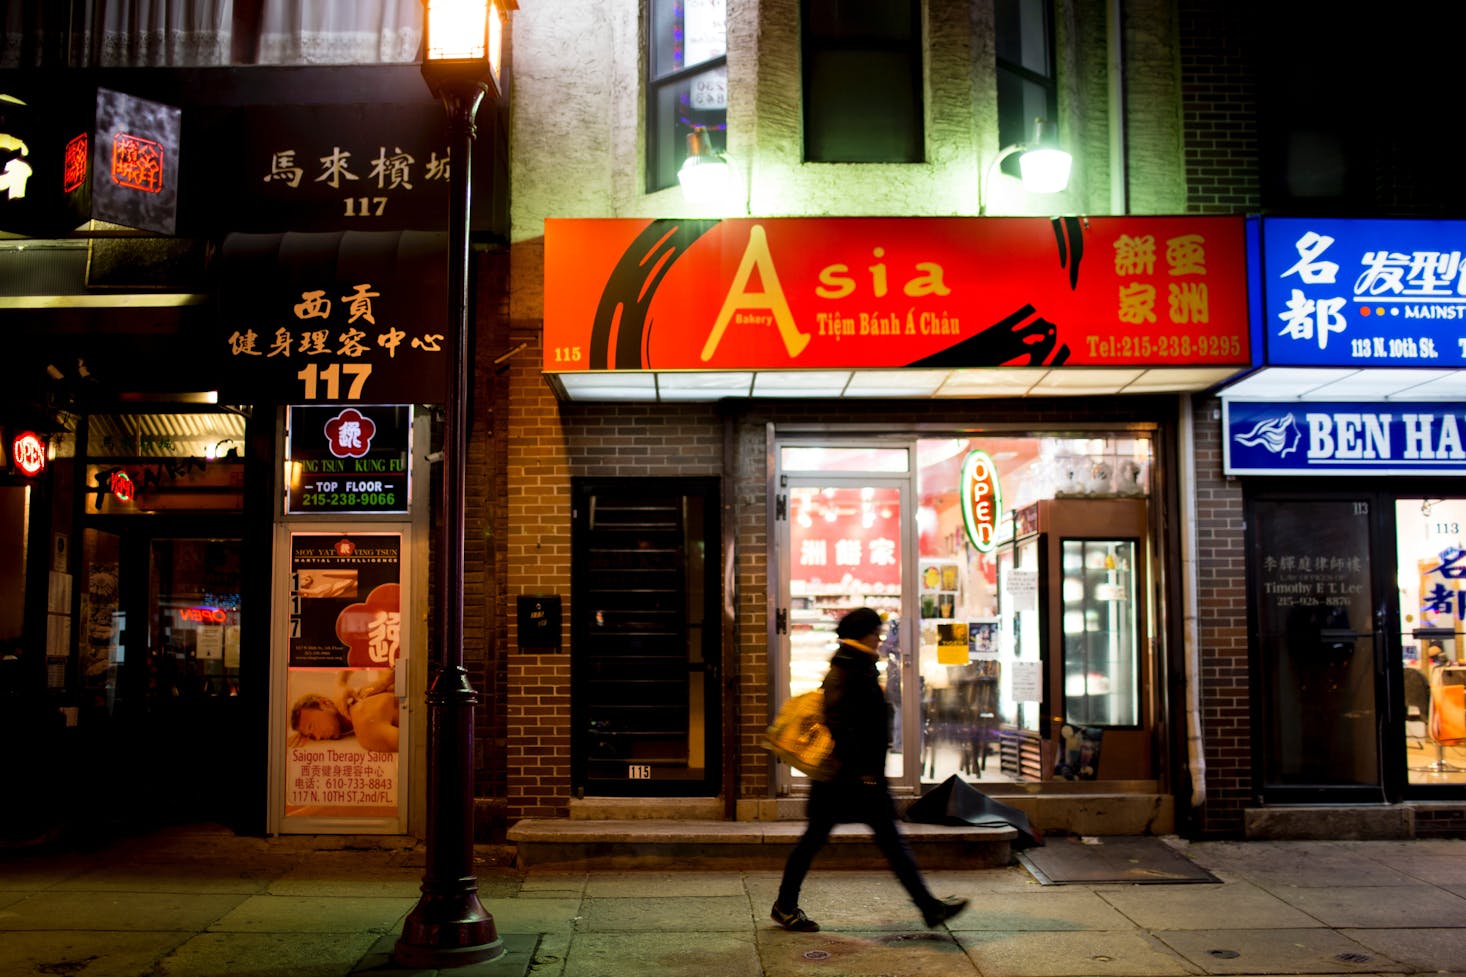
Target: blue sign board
<point>1363,292</point>
<point>1302,437</point>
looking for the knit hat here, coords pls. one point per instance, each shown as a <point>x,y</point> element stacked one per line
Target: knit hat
<point>859,623</point>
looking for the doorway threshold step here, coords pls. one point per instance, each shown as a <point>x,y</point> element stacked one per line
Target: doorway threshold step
<point>576,845</point>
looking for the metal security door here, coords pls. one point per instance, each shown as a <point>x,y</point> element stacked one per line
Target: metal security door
<point>646,638</point>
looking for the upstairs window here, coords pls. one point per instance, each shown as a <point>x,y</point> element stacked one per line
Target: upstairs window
<point>1027,86</point>
<point>687,83</point>
<point>206,33</point>
<point>862,81</point>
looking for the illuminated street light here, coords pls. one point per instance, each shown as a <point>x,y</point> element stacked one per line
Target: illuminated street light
<point>449,926</point>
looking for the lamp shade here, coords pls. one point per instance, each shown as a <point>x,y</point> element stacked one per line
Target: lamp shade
<point>463,37</point>
<point>705,175</point>
<point>1043,166</point>
<point>1045,170</point>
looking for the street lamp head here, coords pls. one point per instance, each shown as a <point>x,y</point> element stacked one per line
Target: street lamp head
<point>463,42</point>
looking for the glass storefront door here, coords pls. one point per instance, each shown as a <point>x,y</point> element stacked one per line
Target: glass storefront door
<point>1313,593</point>
<point>983,648</point>
<point>1430,541</point>
<point>160,665</point>
<point>845,551</point>
<point>1360,605</point>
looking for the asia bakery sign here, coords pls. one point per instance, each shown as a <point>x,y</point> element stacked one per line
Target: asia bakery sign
<point>819,293</point>
<point>1317,438</point>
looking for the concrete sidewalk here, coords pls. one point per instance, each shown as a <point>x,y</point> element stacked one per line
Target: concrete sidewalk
<point>202,902</point>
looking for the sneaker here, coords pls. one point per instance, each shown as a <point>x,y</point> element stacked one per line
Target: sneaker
<point>794,921</point>
<point>942,910</point>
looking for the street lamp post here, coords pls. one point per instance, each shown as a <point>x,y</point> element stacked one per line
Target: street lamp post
<point>449,926</point>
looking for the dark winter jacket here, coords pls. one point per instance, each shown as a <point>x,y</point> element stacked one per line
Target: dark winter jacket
<point>857,713</point>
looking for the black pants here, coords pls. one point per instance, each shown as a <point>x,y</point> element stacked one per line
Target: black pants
<point>835,803</point>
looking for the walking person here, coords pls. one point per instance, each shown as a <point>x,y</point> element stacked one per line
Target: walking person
<point>859,718</point>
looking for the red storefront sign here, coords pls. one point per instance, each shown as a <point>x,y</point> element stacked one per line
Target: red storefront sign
<point>820,293</point>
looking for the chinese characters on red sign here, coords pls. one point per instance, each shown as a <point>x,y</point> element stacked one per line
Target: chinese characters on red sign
<point>137,162</point>
<point>840,293</point>
<point>74,163</point>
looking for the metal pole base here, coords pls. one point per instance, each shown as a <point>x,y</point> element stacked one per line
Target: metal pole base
<point>451,930</point>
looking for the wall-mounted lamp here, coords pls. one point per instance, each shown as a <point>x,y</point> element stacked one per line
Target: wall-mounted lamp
<point>706,175</point>
<point>1044,167</point>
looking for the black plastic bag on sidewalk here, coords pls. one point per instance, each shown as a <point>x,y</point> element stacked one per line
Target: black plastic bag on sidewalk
<point>955,801</point>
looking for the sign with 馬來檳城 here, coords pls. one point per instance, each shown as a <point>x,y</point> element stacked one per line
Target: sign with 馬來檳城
<point>1318,438</point>
<point>366,166</point>
<point>348,459</point>
<point>1363,292</point>
<point>823,293</point>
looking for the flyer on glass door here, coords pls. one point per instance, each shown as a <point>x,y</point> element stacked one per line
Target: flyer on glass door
<point>345,623</point>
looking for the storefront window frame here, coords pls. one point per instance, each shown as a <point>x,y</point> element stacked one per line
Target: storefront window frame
<point>784,435</point>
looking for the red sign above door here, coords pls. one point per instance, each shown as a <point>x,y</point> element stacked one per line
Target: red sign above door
<point>822,293</point>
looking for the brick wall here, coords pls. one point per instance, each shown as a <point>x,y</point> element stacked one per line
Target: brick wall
<point>549,443</point>
<point>1219,108</point>
<point>1219,105</point>
<point>536,504</point>
<point>1222,626</point>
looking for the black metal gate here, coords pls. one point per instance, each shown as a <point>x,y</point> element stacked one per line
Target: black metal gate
<point>645,637</point>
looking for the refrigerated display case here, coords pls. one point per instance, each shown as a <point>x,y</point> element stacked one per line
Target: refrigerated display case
<point>1094,637</point>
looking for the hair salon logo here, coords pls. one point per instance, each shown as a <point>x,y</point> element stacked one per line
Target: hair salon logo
<point>349,434</point>
<point>1280,435</point>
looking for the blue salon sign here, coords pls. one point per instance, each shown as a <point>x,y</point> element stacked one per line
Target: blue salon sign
<point>1364,292</point>
<point>1317,438</point>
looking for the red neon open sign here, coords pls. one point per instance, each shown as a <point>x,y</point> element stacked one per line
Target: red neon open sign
<point>981,500</point>
<point>121,485</point>
<point>29,452</point>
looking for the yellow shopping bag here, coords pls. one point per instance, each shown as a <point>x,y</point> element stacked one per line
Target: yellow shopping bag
<point>800,738</point>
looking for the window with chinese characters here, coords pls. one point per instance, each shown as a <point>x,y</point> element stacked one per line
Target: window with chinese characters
<point>1028,87</point>
<point>862,63</point>
<point>687,83</point>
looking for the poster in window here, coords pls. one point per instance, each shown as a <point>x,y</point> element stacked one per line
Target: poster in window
<point>345,645</point>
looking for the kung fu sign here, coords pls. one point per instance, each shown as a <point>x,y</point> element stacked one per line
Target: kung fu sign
<point>820,293</point>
